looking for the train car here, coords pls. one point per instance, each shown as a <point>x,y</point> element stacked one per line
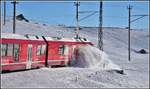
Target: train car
<point>63,51</point>
<point>20,52</point>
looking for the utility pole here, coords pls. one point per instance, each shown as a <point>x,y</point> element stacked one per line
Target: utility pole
<point>14,16</point>
<point>4,12</point>
<point>100,31</point>
<point>129,23</point>
<point>129,28</point>
<point>77,4</point>
<point>14,22</point>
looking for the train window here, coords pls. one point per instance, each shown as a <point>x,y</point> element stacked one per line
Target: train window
<point>43,49</point>
<point>7,49</point>
<point>38,50</point>
<point>4,49</point>
<point>61,50</point>
<point>10,50</point>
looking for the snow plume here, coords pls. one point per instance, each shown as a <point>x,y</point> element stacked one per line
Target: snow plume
<point>92,57</point>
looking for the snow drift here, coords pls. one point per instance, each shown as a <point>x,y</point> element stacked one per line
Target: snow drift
<point>92,57</point>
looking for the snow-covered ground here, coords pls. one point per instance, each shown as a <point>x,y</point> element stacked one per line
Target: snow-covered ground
<point>115,46</point>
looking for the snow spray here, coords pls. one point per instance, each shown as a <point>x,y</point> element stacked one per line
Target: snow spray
<point>91,57</point>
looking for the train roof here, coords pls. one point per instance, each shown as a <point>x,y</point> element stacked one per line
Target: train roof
<point>20,36</point>
<point>36,37</point>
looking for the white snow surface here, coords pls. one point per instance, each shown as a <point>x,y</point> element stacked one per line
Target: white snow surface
<point>115,46</point>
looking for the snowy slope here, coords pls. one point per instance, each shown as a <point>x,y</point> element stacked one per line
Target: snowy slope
<point>115,45</point>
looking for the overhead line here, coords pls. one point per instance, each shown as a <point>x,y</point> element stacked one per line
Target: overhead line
<point>138,18</point>
<point>87,16</point>
<point>88,11</point>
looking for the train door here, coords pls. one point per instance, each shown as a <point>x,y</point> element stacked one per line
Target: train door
<point>29,59</point>
<point>66,53</point>
<point>16,52</point>
<point>74,52</point>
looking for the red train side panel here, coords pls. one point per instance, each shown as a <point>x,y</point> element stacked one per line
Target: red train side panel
<point>31,51</point>
<point>19,52</point>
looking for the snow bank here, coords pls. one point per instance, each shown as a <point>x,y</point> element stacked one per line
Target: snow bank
<point>92,57</point>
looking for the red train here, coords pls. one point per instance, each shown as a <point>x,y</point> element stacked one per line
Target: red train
<point>20,52</point>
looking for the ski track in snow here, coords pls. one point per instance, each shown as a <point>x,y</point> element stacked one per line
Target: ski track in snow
<point>115,45</point>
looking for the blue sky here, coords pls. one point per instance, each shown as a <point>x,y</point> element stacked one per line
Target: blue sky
<point>115,13</point>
